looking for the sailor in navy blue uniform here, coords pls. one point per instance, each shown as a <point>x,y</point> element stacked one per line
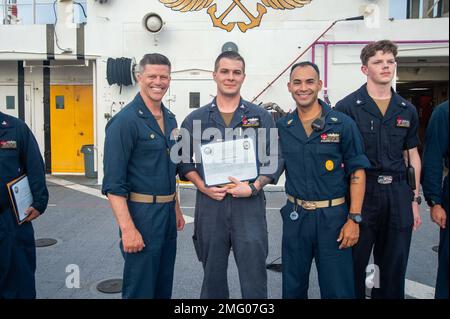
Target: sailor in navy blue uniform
<point>19,155</point>
<point>436,193</point>
<point>388,124</point>
<point>140,182</point>
<point>235,217</point>
<point>322,149</point>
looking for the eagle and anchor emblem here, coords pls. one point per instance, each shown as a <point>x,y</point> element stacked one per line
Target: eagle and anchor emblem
<point>218,21</point>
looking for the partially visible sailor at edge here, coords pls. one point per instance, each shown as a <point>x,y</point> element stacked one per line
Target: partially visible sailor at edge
<point>435,158</point>
<point>140,182</point>
<point>322,149</point>
<point>19,155</point>
<point>388,124</point>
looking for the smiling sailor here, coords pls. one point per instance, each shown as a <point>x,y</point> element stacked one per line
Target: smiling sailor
<point>140,184</point>
<point>236,217</point>
<point>321,148</point>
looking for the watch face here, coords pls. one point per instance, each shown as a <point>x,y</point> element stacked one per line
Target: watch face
<point>356,218</point>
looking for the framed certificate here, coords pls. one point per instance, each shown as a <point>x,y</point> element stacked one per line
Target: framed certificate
<point>235,158</point>
<point>20,196</point>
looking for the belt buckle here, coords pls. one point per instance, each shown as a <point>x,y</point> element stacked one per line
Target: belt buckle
<point>308,205</point>
<point>385,180</point>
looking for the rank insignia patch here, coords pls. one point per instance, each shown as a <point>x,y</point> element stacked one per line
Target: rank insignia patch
<point>330,138</point>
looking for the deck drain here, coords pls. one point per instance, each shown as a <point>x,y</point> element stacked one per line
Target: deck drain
<point>435,249</point>
<point>45,242</point>
<point>110,286</point>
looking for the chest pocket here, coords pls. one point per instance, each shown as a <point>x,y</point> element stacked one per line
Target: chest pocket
<point>329,159</point>
<point>151,142</point>
<point>369,132</point>
<point>290,150</point>
<point>397,142</point>
<point>151,154</point>
<point>9,163</point>
<point>7,153</point>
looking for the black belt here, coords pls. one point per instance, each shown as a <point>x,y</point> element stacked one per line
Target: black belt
<point>385,178</point>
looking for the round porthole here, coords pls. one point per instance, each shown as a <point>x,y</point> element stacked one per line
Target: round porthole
<point>153,22</point>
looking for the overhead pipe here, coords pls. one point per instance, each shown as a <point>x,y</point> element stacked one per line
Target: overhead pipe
<point>326,45</point>
<point>304,51</point>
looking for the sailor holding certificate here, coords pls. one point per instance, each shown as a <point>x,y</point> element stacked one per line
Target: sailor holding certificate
<point>19,156</point>
<point>230,136</point>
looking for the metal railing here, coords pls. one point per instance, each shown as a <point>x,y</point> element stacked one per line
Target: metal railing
<point>35,12</point>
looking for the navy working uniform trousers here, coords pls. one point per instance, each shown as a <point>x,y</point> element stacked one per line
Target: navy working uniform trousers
<point>318,169</point>
<point>19,155</point>
<point>387,209</point>
<point>436,150</point>
<point>137,159</point>
<point>239,223</point>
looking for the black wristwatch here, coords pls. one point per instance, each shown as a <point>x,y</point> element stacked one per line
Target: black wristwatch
<point>418,200</point>
<point>253,188</point>
<point>431,202</point>
<point>357,218</point>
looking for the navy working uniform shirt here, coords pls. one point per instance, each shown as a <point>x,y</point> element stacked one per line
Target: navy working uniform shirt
<point>237,222</point>
<point>385,138</point>
<point>19,155</point>
<point>318,167</point>
<point>137,159</point>
<point>436,150</point>
<point>246,116</point>
<point>137,153</point>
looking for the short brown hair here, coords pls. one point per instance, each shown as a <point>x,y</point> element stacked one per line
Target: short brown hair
<point>371,49</point>
<point>232,55</point>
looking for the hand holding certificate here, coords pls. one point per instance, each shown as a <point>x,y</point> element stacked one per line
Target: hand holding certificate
<point>235,158</point>
<point>21,197</point>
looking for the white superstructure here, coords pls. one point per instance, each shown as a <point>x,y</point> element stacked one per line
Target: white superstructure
<point>45,66</point>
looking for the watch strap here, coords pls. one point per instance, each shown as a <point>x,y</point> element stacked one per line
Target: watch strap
<point>253,188</point>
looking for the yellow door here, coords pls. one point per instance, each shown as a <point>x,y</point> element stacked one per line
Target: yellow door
<point>71,126</point>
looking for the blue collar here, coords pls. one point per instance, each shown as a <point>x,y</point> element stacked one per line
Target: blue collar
<point>143,111</point>
<point>243,106</point>
<point>326,109</point>
<point>5,122</point>
<point>362,97</point>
